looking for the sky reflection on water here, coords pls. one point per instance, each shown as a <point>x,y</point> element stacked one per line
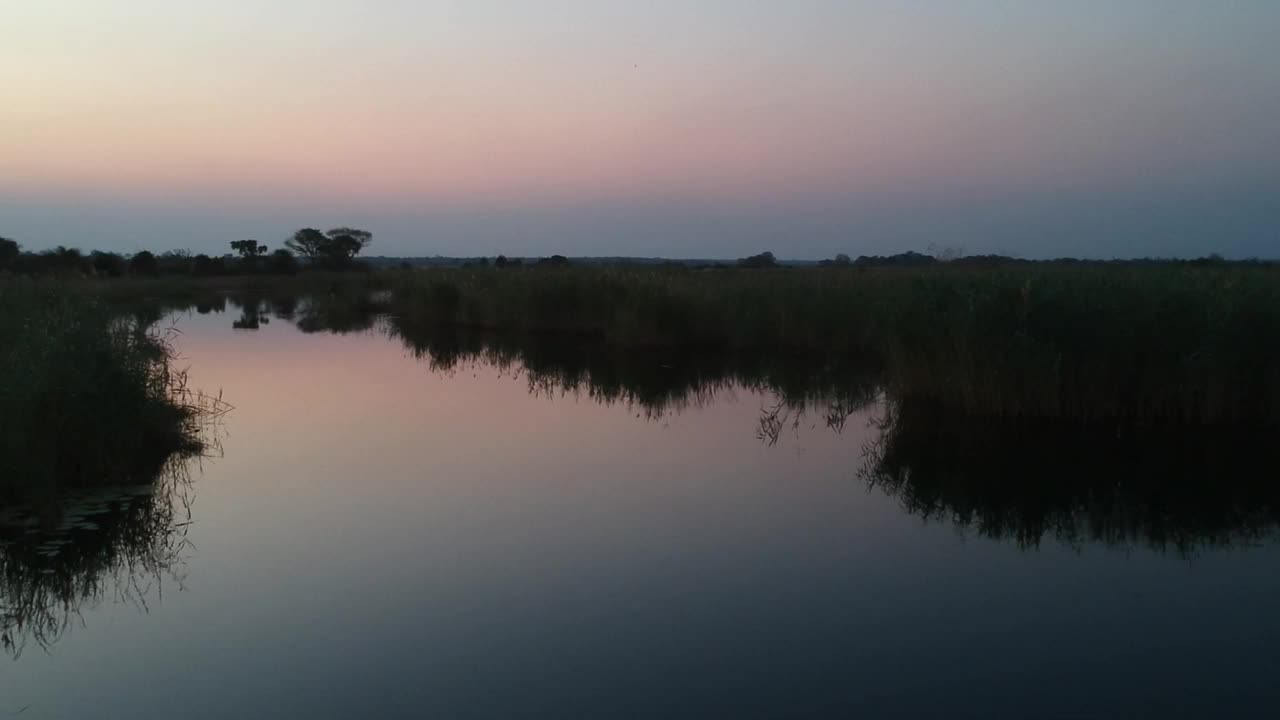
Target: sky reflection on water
<point>382,539</point>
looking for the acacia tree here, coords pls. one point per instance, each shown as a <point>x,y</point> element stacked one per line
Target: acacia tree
<point>308,243</point>
<point>335,248</point>
<point>249,249</point>
<point>345,243</point>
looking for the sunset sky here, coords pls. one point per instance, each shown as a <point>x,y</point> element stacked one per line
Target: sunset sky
<point>709,128</point>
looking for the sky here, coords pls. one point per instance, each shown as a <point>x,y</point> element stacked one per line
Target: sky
<point>715,128</point>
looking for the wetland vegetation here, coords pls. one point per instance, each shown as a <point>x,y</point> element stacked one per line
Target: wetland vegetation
<point>1127,404</point>
<point>1169,486</point>
<point>1168,344</point>
<point>833,444</point>
<point>88,397</point>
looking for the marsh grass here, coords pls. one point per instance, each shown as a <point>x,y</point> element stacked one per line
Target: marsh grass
<point>655,381</point>
<point>1158,344</point>
<point>87,397</point>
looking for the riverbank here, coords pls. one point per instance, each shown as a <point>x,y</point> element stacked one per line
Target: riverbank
<point>1140,343</point>
<point>87,398</point>
<point>1134,344</point>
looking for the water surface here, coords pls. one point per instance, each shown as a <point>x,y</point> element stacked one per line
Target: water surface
<point>387,535</point>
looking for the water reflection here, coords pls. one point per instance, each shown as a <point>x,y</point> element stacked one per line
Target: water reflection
<point>112,543</point>
<point>1171,489</point>
<point>252,317</point>
<point>1168,489</point>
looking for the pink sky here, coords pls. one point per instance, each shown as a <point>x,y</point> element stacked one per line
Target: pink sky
<point>397,106</point>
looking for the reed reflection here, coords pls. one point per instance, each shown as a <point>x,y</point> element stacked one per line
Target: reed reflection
<point>1170,488</point>
<point>1179,489</point>
<point>118,544</point>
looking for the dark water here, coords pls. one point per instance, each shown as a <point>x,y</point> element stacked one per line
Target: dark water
<point>433,526</point>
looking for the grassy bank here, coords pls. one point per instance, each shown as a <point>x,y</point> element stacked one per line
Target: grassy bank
<point>1152,343</point>
<point>1148,344</point>
<point>86,398</point>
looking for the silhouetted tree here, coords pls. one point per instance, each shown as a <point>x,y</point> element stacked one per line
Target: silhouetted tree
<point>107,263</point>
<point>9,252</point>
<point>282,262</point>
<point>910,259</point>
<point>176,262</point>
<point>345,243</point>
<point>249,249</point>
<point>144,263</point>
<point>62,259</point>
<point>840,260</point>
<point>308,243</point>
<point>763,260</point>
<point>205,266</point>
<point>335,248</point>
<point>554,261</point>
<point>501,261</point>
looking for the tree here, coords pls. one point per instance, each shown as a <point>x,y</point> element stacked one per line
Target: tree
<point>554,261</point>
<point>308,243</point>
<point>335,248</point>
<point>63,259</point>
<point>107,263</point>
<point>249,249</point>
<point>500,261</point>
<point>9,252</point>
<point>345,243</point>
<point>906,259</point>
<point>763,260</point>
<point>175,262</point>
<point>204,265</point>
<point>282,262</point>
<point>144,263</point>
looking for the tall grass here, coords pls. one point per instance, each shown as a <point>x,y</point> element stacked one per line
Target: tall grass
<point>86,398</point>
<point>1146,344</point>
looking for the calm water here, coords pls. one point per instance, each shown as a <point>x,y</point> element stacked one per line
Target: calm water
<point>381,537</point>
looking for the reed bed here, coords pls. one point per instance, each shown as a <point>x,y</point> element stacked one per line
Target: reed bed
<point>87,397</point>
<point>1177,344</point>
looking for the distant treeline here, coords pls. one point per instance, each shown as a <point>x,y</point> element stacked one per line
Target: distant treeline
<point>338,249</point>
<point>306,248</point>
<point>767,259</point>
